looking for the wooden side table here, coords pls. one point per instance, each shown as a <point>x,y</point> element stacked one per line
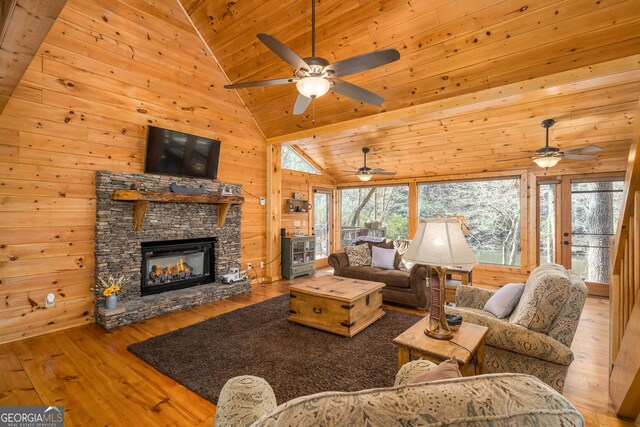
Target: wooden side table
<point>451,285</point>
<point>467,346</point>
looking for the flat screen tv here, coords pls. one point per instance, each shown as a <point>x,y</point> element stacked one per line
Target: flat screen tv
<point>176,153</point>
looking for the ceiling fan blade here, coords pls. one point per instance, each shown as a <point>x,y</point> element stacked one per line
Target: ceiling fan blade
<point>383,173</point>
<point>587,149</point>
<point>363,62</point>
<point>356,92</point>
<point>260,83</point>
<point>302,102</point>
<point>283,51</point>
<point>511,160</point>
<point>578,157</point>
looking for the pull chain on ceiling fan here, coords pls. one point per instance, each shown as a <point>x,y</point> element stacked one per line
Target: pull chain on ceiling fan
<point>315,76</point>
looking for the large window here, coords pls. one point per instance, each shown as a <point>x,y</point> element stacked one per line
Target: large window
<point>374,211</point>
<point>490,207</point>
<point>293,161</point>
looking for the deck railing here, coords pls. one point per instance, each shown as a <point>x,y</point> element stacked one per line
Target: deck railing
<point>624,379</point>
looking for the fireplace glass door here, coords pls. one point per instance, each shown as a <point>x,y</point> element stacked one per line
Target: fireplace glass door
<point>176,265</point>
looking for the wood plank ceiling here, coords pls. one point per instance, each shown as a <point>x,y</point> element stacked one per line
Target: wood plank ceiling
<point>450,52</point>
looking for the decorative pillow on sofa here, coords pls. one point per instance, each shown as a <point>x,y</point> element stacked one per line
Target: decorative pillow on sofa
<point>383,258</point>
<point>502,303</point>
<point>444,371</point>
<point>401,247</point>
<point>358,255</point>
<point>548,288</point>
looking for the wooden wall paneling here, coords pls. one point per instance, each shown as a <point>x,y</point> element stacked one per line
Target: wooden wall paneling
<point>84,105</point>
<point>274,213</point>
<point>23,26</point>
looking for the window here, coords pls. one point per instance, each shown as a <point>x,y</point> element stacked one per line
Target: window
<point>548,209</point>
<point>294,161</point>
<point>490,207</point>
<point>374,211</point>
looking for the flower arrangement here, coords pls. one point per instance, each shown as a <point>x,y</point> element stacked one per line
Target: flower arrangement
<point>137,185</point>
<point>111,285</point>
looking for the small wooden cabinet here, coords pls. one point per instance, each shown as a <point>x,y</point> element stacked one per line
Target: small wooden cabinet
<point>298,256</point>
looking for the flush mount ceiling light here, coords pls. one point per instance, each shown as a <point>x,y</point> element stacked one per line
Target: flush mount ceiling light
<point>547,157</point>
<point>314,76</point>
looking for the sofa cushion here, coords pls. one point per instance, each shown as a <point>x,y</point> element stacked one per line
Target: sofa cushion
<point>502,303</point>
<point>401,247</point>
<point>395,278</point>
<point>359,255</point>
<point>383,258</point>
<point>547,290</point>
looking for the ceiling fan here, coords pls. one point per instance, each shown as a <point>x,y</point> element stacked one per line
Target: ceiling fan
<point>547,157</point>
<point>315,76</point>
<point>365,173</point>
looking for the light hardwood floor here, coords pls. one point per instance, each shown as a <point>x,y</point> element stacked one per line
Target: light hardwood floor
<point>91,373</point>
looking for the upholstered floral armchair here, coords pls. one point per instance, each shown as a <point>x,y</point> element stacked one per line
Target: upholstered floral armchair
<point>536,338</point>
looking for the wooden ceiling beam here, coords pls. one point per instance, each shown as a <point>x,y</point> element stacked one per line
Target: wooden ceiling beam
<point>23,26</point>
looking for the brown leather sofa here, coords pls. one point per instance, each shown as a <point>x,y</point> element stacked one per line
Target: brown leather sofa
<point>402,287</point>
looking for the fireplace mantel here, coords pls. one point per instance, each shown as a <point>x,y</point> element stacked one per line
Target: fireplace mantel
<point>141,201</point>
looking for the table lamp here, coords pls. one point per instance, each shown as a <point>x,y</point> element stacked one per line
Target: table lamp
<point>439,243</point>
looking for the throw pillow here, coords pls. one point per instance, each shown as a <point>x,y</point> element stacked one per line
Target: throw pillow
<point>401,247</point>
<point>358,255</point>
<point>502,303</point>
<point>383,258</point>
<point>444,371</point>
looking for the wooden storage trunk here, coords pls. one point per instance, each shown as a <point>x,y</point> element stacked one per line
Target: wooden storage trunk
<point>340,305</point>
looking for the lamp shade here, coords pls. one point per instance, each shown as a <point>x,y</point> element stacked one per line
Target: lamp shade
<point>440,242</point>
<point>313,87</point>
<point>546,162</point>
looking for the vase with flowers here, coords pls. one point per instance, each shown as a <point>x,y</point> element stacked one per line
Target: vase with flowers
<point>110,286</point>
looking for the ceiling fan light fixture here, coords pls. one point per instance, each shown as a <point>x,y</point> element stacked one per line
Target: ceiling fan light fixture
<point>364,177</point>
<point>546,162</point>
<point>313,86</point>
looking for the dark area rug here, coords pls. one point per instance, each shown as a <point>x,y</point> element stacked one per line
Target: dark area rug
<point>296,360</point>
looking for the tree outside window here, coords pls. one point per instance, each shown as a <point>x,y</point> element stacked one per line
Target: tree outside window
<point>374,211</point>
<point>490,207</point>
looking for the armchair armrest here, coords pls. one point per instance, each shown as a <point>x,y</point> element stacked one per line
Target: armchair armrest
<point>338,260</point>
<point>243,400</point>
<point>515,338</point>
<point>411,370</point>
<point>472,297</point>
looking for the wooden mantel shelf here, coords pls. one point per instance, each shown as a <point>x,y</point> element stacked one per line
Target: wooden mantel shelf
<point>141,201</point>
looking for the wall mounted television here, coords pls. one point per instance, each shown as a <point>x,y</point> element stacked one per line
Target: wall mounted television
<point>171,152</point>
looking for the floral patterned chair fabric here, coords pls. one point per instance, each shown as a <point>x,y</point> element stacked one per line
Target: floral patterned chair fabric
<point>536,338</point>
<point>485,400</point>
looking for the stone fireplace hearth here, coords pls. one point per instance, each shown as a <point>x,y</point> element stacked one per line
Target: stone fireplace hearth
<point>119,250</point>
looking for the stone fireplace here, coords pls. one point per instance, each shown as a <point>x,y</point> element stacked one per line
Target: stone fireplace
<point>178,257</point>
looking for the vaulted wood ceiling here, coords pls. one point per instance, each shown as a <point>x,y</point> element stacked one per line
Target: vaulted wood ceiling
<point>453,54</point>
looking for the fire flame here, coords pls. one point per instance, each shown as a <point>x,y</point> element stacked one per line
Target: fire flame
<point>171,270</point>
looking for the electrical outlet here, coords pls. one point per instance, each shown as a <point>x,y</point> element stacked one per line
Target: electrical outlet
<point>261,264</point>
<point>49,301</point>
<point>248,266</point>
<point>262,202</point>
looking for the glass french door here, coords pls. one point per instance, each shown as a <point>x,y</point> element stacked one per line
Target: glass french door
<point>577,219</point>
<point>322,222</point>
